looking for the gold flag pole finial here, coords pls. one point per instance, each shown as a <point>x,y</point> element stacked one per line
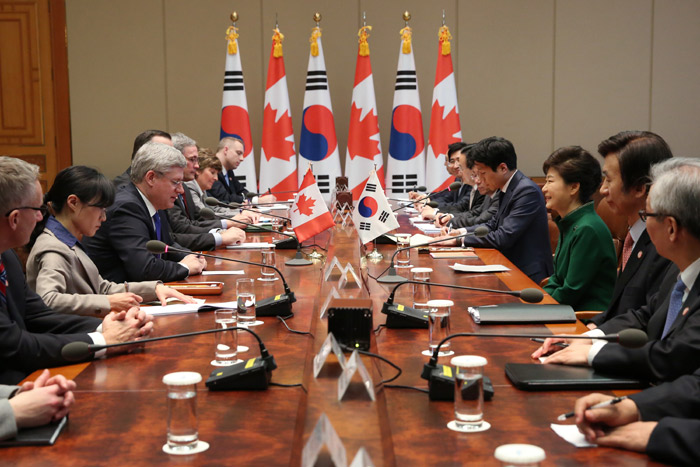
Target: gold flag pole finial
<point>407,16</point>
<point>232,35</point>
<point>317,17</point>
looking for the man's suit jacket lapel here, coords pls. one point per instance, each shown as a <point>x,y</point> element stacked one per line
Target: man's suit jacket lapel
<point>635,261</point>
<point>14,276</point>
<point>507,196</point>
<point>224,182</point>
<point>144,212</point>
<point>191,210</point>
<point>690,303</point>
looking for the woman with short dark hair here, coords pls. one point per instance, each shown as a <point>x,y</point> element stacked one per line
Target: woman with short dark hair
<point>58,267</point>
<point>584,262</point>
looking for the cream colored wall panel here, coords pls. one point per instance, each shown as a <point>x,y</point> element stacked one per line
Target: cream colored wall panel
<point>505,75</point>
<point>385,43</point>
<point>195,59</point>
<point>675,99</point>
<point>116,72</point>
<point>602,70</point>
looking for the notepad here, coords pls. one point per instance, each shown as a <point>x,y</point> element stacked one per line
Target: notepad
<point>539,377</point>
<point>522,313</point>
<point>479,268</point>
<point>37,436</point>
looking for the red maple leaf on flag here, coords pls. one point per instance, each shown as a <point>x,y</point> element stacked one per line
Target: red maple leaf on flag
<point>359,144</point>
<point>275,134</point>
<point>442,130</point>
<point>305,205</point>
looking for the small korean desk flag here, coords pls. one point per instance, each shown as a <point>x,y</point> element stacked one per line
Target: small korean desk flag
<point>309,212</point>
<point>372,215</point>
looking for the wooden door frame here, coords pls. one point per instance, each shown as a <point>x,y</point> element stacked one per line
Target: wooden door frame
<point>59,56</point>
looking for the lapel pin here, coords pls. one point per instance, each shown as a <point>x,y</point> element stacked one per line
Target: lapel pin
<point>639,255</point>
<point>685,312</point>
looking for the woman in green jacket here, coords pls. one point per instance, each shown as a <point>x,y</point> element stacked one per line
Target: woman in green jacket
<point>585,262</point>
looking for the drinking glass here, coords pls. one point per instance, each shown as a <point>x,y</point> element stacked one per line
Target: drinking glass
<point>267,257</point>
<point>183,436</point>
<point>421,292</point>
<point>469,391</point>
<point>245,297</point>
<point>403,258</point>
<point>439,326</point>
<point>226,341</point>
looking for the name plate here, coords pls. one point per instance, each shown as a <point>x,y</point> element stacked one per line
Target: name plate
<point>324,433</point>
<point>353,365</point>
<point>330,344</point>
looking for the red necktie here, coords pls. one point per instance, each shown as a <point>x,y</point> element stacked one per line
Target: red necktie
<point>627,249</point>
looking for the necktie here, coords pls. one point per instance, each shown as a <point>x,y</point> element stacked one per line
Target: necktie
<point>627,249</point>
<point>472,193</point>
<point>156,222</point>
<point>674,306</point>
<point>229,177</point>
<point>3,284</point>
<point>184,205</point>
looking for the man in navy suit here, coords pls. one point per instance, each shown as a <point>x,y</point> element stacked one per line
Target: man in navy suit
<point>671,318</point>
<point>519,229</point>
<point>663,421</point>
<point>227,188</point>
<point>31,334</point>
<point>629,156</point>
<point>137,216</point>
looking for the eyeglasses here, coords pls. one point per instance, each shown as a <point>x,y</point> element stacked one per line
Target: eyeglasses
<point>174,183</point>
<point>101,208</point>
<point>643,214</point>
<point>193,159</point>
<point>43,209</point>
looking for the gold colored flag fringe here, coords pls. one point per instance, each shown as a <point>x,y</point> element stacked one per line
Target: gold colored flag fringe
<point>231,36</point>
<point>277,39</point>
<point>445,37</point>
<point>406,36</point>
<point>363,34</point>
<point>315,34</point>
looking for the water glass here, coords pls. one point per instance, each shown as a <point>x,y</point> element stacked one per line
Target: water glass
<point>268,257</point>
<point>226,341</point>
<point>245,297</point>
<point>403,258</point>
<point>469,391</point>
<point>439,325</point>
<point>183,436</point>
<point>421,292</point>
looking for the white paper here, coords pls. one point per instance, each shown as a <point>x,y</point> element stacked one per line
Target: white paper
<point>222,273</point>
<point>570,434</point>
<point>476,268</point>
<point>420,239</point>
<point>159,310</point>
<point>250,246</point>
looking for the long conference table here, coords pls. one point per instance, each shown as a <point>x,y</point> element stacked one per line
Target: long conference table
<point>120,413</point>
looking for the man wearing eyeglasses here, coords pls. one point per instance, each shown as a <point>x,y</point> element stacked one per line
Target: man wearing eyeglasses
<point>31,334</point>
<point>188,229</point>
<point>671,318</point>
<point>137,216</point>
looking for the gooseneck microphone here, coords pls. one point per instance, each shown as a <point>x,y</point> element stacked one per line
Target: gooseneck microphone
<point>211,201</point>
<point>441,382</point>
<point>290,244</point>
<point>252,374</point>
<point>279,305</point>
<point>392,277</point>
<point>401,316</point>
<point>453,186</point>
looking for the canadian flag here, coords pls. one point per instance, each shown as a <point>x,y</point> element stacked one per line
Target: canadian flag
<point>234,110</point>
<point>318,143</point>
<point>278,164</point>
<point>309,213</point>
<point>444,117</point>
<point>406,164</point>
<point>364,150</point>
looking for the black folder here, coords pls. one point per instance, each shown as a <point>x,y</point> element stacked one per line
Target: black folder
<point>540,377</point>
<point>522,313</point>
<point>38,436</point>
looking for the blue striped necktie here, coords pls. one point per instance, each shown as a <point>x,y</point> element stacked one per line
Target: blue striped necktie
<point>156,222</point>
<point>674,306</point>
<point>3,284</point>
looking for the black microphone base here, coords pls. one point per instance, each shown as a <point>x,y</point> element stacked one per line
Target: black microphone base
<point>286,244</point>
<point>279,305</point>
<point>403,317</point>
<point>441,385</point>
<point>385,240</point>
<point>246,375</point>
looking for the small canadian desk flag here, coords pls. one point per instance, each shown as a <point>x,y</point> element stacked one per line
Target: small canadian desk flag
<point>372,215</point>
<point>309,212</point>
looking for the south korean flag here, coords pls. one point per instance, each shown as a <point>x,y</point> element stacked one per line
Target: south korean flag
<point>372,215</point>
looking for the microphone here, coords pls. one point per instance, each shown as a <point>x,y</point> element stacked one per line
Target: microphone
<point>250,195</point>
<point>453,186</point>
<point>441,382</point>
<point>400,316</point>
<point>392,277</point>
<point>211,201</point>
<point>290,244</point>
<point>252,374</point>
<point>280,305</point>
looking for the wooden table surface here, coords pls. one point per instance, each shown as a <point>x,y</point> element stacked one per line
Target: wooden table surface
<point>120,411</point>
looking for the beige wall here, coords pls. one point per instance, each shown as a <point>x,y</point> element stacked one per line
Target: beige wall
<point>543,73</point>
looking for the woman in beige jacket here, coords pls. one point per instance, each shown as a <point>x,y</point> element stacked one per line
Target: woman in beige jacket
<point>58,267</point>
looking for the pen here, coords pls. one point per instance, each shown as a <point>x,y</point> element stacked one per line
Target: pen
<point>126,287</point>
<point>614,401</point>
<point>541,341</point>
